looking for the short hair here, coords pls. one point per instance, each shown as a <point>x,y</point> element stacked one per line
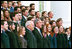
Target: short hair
<point>15,8</point>
<point>21,6</point>
<point>18,2</point>
<point>28,23</point>
<point>49,12</point>
<point>35,22</point>
<point>30,10</point>
<point>51,22</point>
<point>29,18</point>
<point>43,12</point>
<point>36,12</point>
<point>59,19</point>
<point>31,4</point>
<point>24,10</point>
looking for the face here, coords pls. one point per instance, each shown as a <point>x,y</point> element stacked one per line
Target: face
<point>60,23</point>
<point>6,13</point>
<point>45,14</point>
<point>33,12</point>
<point>13,27</point>
<point>5,25</point>
<point>32,26</point>
<point>19,4</point>
<point>18,10</point>
<point>54,24</point>
<point>38,14</point>
<point>61,29</point>
<point>49,28</point>
<point>5,4</point>
<point>68,31</point>
<point>28,8</point>
<point>51,15</point>
<point>23,8</point>
<point>56,30</point>
<point>19,16</point>
<point>2,17</point>
<point>26,13</point>
<point>23,31</point>
<point>10,4</point>
<point>33,7</point>
<point>39,24</point>
<point>15,4</point>
<point>16,17</point>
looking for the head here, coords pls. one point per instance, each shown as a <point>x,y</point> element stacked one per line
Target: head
<point>27,7</point>
<point>50,14</point>
<point>6,13</point>
<point>9,4</point>
<point>48,28</point>
<point>19,3</point>
<point>21,31</point>
<point>25,12</point>
<point>14,4</point>
<point>32,6</point>
<point>2,16</point>
<point>61,29</point>
<point>4,4</point>
<point>68,31</point>
<point>37,14</point>
<point>59,22</point>
<point>4,25</point>
<point>53,23</point>
<point>38,23</point>
<point>15,16</point>
<point>30,25</point>
<point>44,13</point>
<point>22,7</point>
<point>55,29</point>
<point>19,15</point>
<point>17,9</point>
<point>32,12</point>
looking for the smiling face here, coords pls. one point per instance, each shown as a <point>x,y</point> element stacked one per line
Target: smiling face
<point>56,30</point>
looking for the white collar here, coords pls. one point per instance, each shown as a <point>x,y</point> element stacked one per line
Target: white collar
<point>21,36</point>
<point>25,17</point>
<point>38,29</point>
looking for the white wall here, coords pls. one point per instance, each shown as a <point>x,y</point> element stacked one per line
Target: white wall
<point>62,9</point>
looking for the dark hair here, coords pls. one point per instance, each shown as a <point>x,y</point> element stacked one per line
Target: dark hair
<point>51,22</point>
<point>31,4</point>
<point>21,6</point>
<point>49,12</point>
<point>30,10</point>
<point>66,29</point>
<point>59,19</point>
<point>29,18</point>
<point>15,8</point>
<point>36,12</point>
<point>43,12</point>
<point>2,22</point>
<point>53,28</point>
<point>18,2</point>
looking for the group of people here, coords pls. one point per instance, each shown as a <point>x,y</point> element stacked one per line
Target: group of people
<point>23,27</point>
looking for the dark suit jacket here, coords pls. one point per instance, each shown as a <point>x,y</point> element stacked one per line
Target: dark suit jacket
<point>23,42</point>
<point>5,40</point>
<point>12,38</point>
<point>31,40</point>
<point>23,21</point>
<point>39,38</point>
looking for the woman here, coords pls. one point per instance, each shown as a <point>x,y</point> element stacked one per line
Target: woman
<point>62,38</point>
<point>7,15</point>
<point>21,36</point>
<point>52,37</point>
<point>46,41</point>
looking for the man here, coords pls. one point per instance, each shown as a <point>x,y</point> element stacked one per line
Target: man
<point>37,33</point>
<point>32,13</point>
<point>32,6</point>
<point>50,15</point>
<point>37,14</point>
<point>31,40</point>
<point>12,37</point>
<point>10,8</point>
<point>24,16</point>
<point>5,43</point>
<point>19,3</point>
<point>4,5</point>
